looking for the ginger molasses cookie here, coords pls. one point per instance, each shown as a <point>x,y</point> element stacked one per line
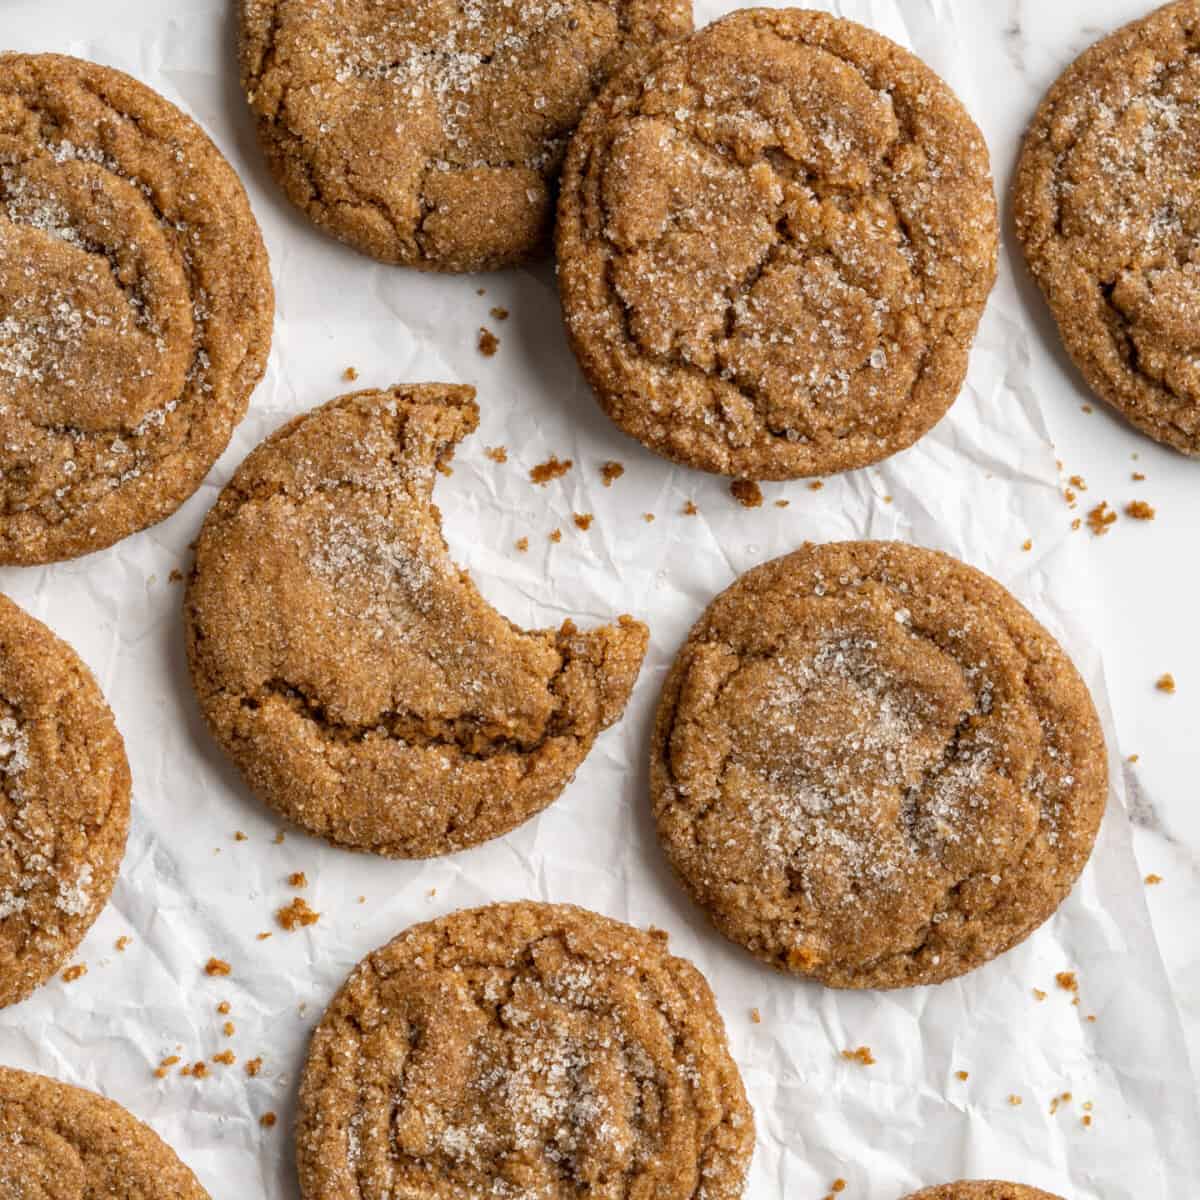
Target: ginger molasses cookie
<point>982,1189</point>
<point>353,671</point>
<point>429,133</point>
<point>775,242</point>
<point>135,307</point>
<point>523,1050</point>
<point>64,802</point>
<point>872,766</point>
<point>57,1140</point>
<point>1107,205</point>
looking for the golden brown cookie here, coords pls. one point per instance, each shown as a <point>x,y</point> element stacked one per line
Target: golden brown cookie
<point>523,1050</point>
<point>60,1141</point>
<point>872,766</point>
<point>64,802</point>
<point>982,1189</point>
<point>774,248</point>
<point>353,672</point>
<point>135,307</point>
<point>431,133</point>
<point>1107,206</point>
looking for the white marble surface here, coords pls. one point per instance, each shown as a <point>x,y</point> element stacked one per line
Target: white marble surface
<point>983,481</point>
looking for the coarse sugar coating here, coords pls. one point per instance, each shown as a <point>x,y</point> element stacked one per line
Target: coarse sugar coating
<point>64,802</point>
<point>518,1051</point>
<point>872,766</point>
<point>135,307</point>
<point>982,1189</point>
<point>353,672</point>
<point>775,241</point>
<point>62,1141</point>
<point>1107,207</point>
<point>431,133</point>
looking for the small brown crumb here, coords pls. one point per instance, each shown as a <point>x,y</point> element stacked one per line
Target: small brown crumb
<point>1027,544</point>
<point>165,1066</point>
<point>198,1070</point>
<point>556,535</point>
<point>648,518</point>
<point>228,1029</point>
<point>1134,758</point>
<point>279,838</point>
<point>239,836</point>
<point>690,509</point>
<point>1087,408</point>
<point>1058,1101</point>
<point>1166,683</point>
<point>253,1066</point>
<point>217,966</point>
<point>1088,1106</point>
<point>782,503</point>
<point>1076,481</point>
<point>611,471</point>
<point>298,879</point>
<point>223,1008</point>
<point>522,544</point>
<point>1101,519</point>
<point>481,291</point>
<point>350,374</point>
<point>817,485</point>
<point>862,1055</point>
<point>756,1016</point>
<point>552,468</point>
<point>747,493</point>
<point>1015,1101</point>
<point>584,521</point>
<point>1039,995</point>
<point>1091,1018</point>
<point>1086,1120</point>
<point>1138,477</point>
<point>429,895</point>
<point>887,499</point>
<point>963,1076</point>
<point>1077,523</point>
<point>268,1120</point>
<point>839,1185</point>
<point>297,915</point>
<point>78,971</point>
<point>500,313</point>
<point>1139,510</point>
<point>122,942</point>
<point>1067,980</point>
<point>226,1058</point>
<point>489,343</point>
<point>176,576</point>
<point>498,454</point>
<point>261,937</point>
<point>1153,880</point>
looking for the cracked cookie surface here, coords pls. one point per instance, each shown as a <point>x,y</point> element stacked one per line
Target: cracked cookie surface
<point>64,802</point>
<point>135,307</point>
<point>1107,207</point>
<point>982,1189</point>
<point>523,1050</point>
<point>354,673</point>
<point>67,1143</point>
<point>872,766</point>
<point>775,243</point>
<point>431,133</point>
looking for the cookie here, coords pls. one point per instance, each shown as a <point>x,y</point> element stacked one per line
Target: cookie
<point>523,1050</point>
<point>775,243</point>
<point>984,1189</point>
<point>872,766</point>
<point>431,134</point>
<point>135,307</point>
<point>353,671</point>
<point>57,1140</point>
<point>64,802</point>
<point>1107,207</point>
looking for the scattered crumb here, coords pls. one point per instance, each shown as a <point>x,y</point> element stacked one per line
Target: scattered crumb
<point>350,374</point>
<point>165,1066</point>
<point>500,313</point>
<point>429,895</point>
<point>556,535</point>
<point>1134,758</point>
<point>1058,1101</point>
<point>648,518</point>
<point>489,343</point>
<point>1039,995</point>
<point>298,879</point>
<point>962,1075</point>
<point>552,468</point>
<point>223,1008</point>
<point>611,471</point>
<point>1153,880</point>
<point>690,509</point>
<point>253,1066</point>
<point>1166,683</point>
<point>1067,980</point>
<point>839,1185</point>
<point>229,1029</point>
<point>1015,1101</point>
<point>522,544</point>
<point>362,899</point>
<point>1087,408</point>
<point>887,499</point>
<point>217,966</point>
<point>226,1058</point>
<point>1101,518</point>
<point>1076,481</point>
<point>782,503</point>
<point>78,971</point>
<point>584,521</point>
<point>239,836</point>
<point>1138,477</point>
<point>747,493</point>
<point>862,1055</point>
<point>1027,544</point>
<point>122,942</point>
<point>1139,510</point>
<point>1086,1120</point>
<point>1088,1106</point>
<point>279,837</point>
<point>816,485</point>
<point>498,454</point>
<point>198,1070</point>
<point>297,915</point>
<point>176,576</point>
<point>1075,524</point>
<point>756,1016</point>
<point>268,1120</point>
<point>481,291</point>
<point>261,937</point>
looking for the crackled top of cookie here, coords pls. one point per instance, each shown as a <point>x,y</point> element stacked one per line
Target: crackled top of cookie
<point>431,133</point>
<point>1108,209</point>
<point>774,248</point>
<point>64,802</point>
<point>982,1189</point>
<point>70,1144</point>
<point>523,1051</point>
<point>355,674</point>
<point>135,307</point>
<point>872,766</point>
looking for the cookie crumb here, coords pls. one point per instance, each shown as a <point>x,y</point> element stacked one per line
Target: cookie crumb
<point>1139,510</point>
<point>648,518</point>
<point>78,971</point>
<point>217,966</point>
<point>1087,408</point>
<point>253,1066</point>
<point>1153,880</point>
<point>499,313</point>
<point>1015,1100</point>
<point>198,1070</point>
<point>756,1016</point>
<point>611,471</point>
<point>297,915</point>
<point>1101,519</point>
<point>1166,683</point>
<point>350,374</point>
<point>489,343</point>
<point>584,521</point>
<point>298,879</point>
<point>122,942</point>
<point>839,1185</point>
<point>782,503</point>
<point>268,1120</point>
<point>176,576</point>
<point>522,544</point>
<point>747,493</point>
<point>278,840</point>
<point>1138,477</point>
<point>690,509</point>
<point>1133,758</point>
<point>552,468</point>
<point>223,1008</point>
<point>1086,1120</point>
<point>1027,545</point>
<point>1067,980</point>
<point>261,937</point>
<point>165,1066</point>
<point>556,535</point>
<point>862,1055</point>
<point>962,1076</point>
<point>818,484</point>
<point>226,1058</point>
<point>1039,995</point>
<point>1076,481</point>
<point>239,836</point>
<point>228,1029</point>
<point>498,454</point>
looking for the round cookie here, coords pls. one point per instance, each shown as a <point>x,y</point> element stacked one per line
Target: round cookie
<point>982,1189</point>
<point>872,766</point>
<point>353,672</point>
<point>1107,207</point>
<point>62,1141</point>
<point>431,134</point>
<point>523,1049</point>
<point>135,307</point>
<point>775,244</point>
<point>64,802</point>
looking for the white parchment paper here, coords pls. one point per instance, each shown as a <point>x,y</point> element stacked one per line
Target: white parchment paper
<point>978,486</point>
